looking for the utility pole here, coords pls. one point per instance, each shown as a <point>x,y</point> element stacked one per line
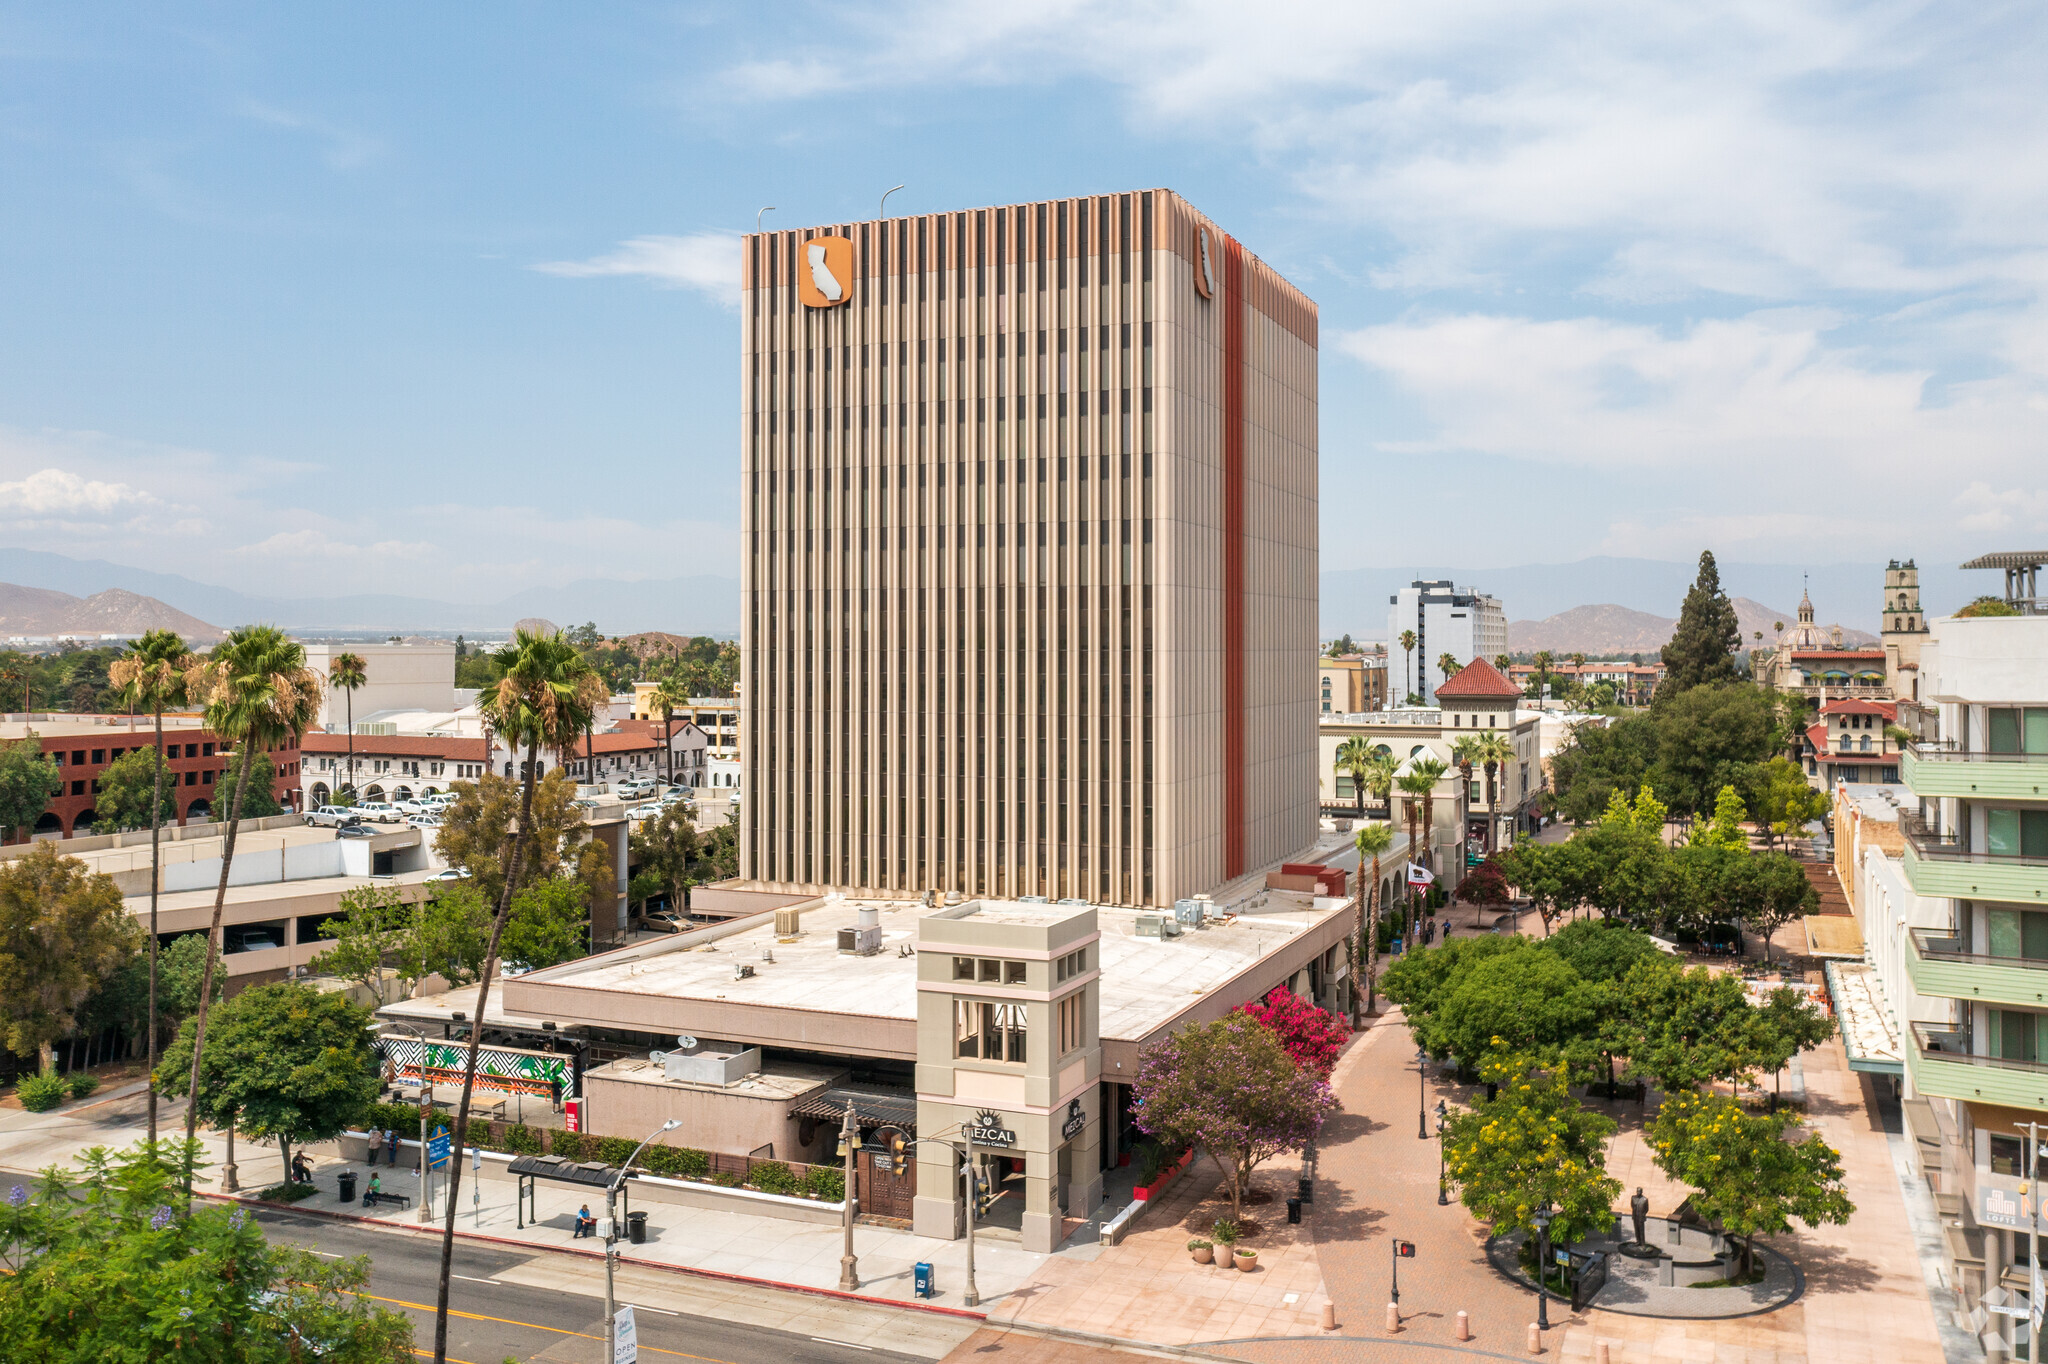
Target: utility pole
<point>849,1142</point>
<point>611,1240</point>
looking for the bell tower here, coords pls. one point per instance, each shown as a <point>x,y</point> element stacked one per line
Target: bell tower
<point>1902,627</point>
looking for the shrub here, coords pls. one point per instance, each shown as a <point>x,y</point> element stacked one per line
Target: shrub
<point>287,1193</point>
<point>826,1182</point>
<point>726,1179</point>
<point>616,1151</point>
<point>570,1145</point>
<point>1225,1232</point>
<point>1199,1244</point>
<point>772,1176</point>
<point>677,1162</point>
<point>521,1141</point>
<point>41,1093</point>
<point>1152,1160</point>
<point>83,1084</point>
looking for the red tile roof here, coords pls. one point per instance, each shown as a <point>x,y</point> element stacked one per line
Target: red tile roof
<point>1874,655</point>
<point>1855,706</point>
<point>1478,678</point>
<point>448,746</point>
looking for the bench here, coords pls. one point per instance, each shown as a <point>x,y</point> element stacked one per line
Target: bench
<point>383,1196</point>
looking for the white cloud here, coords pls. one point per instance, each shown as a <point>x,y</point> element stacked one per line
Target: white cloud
<point>1988,512</point>
<point>708,262</point>
<point>59,492</point>
<point>318,544</point>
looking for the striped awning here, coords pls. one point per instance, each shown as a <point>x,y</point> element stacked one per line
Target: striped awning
<point>871,1107</point>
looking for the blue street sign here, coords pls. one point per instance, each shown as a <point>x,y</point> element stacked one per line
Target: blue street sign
<point>437,1150</point>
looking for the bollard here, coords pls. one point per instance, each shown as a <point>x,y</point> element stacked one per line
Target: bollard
<point>1601,1355</point>
<point>1393,1316</point>
<point>1329,1316</point>
<point>1464,1326</point>
<point>1535,1339</point>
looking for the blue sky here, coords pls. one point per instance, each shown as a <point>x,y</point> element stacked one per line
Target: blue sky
<point>438,299</point>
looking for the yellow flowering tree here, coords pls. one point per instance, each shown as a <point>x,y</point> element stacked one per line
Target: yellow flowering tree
<point>1751,1172</point>
<point>1531,1147</point>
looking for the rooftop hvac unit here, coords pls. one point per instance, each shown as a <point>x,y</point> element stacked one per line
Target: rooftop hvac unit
<point>1188,912</point>
<point>1158,926</point>
<point>865,939</point>
<point>788,922</point>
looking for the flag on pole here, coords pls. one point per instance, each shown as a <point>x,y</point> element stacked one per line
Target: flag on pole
<point>1419,875</point>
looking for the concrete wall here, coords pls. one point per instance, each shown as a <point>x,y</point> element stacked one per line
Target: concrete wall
<point>713,1120</point>
<point>400,677</point>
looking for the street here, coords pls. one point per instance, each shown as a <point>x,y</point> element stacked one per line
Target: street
<point>496,1312</point>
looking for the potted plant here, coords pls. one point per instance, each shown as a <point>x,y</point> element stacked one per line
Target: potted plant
<point>1225,1232</point>
<point>1247,1260</point>
<point>1205,1251</point>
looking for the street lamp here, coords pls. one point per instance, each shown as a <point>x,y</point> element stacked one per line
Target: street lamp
<point>849,1141</point>
<point>1422,1094</point>
<point>423,1212</point>
<point>611,1238</point>
<point>1443,1189</point>
<point>1542,1257</point>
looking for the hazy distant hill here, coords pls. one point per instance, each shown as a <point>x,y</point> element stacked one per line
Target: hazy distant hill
<point>1609,631</point>
<point>116,611</point>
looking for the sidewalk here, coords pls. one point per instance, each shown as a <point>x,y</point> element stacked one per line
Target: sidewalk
<point>763,1249</point>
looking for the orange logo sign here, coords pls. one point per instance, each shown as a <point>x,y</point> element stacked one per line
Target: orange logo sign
<point>824,271</point>
<point>1205,272</point>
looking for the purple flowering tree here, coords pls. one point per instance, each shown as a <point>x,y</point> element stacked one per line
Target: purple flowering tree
<point>1231,1089</point>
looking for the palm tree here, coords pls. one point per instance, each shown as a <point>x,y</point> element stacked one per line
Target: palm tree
<point>348,672</point>
<point>1493,751</point>
<point>1426,773</point>
<point>1407,654</point>
<point>1447,664</point>
<point>1379,776</point>
<point>672,691</point>
<point>1465,753</point>
<point>547,695</point>
<point>258,692</point>
<point>1543,661</point>
<point>1503,662</point>
<point>1356,755</point>
<point>1372,840</point>
<point>151,675</point>
<point>1413,787</point>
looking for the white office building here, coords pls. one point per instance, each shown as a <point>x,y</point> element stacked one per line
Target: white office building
<point>1446,619</point>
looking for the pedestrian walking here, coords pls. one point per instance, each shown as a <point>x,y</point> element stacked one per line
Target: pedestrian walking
<point>391,1145</point>
<point>555,1092</point>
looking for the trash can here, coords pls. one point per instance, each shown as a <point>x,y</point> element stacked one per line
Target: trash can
<point>636,1228</point>
<point>346,1181</point>
<point>1294,1210</point>
<point>922,1284</point>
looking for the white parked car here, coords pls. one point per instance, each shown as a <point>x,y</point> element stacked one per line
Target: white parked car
<point>422,806</point>
<point>640,812</point>
<point>332,816</point>
<point>450,874</point>
<point>426,821</point>
<point>379,812</point>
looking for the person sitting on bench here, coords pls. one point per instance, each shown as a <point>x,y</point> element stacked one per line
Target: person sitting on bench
<point>586,1225</point>
<point>376,1189</point>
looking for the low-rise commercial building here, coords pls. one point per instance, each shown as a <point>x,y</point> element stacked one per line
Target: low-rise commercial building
<point>83,746</point>
<point>1852,742</point>
<point>406,766</point>
<point>717,716</point>
<point>1349,684</point>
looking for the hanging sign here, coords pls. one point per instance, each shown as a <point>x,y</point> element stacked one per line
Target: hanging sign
<point>1076,1120</point>
<point>987,1130</point>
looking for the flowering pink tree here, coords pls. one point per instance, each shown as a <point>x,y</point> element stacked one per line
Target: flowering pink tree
<point>1312,1036</point>
<point>1230,1088</point>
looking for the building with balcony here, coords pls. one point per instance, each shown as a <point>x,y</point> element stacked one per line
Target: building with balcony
<point>717,716</point>
<point>1953,907</point>
<point>1852,742</point>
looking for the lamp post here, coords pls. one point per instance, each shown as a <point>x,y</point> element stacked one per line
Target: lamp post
<point>849,1140</point>
<point>972,1297</point>
<point>611,1239</point>
<point>1421,1094</point>
<point>1443,1189</point>
<point>422,1212</point>
<point>1542,1267</point>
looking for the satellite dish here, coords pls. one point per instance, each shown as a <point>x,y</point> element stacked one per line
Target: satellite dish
<point>686,1042</point>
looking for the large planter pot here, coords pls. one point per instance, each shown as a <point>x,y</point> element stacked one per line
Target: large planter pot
<point>1247,1260</point>
<point>1205,1255</point>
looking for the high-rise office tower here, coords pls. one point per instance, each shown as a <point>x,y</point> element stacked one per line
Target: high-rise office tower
<point>1030,554</point>
<point>1445,619</point>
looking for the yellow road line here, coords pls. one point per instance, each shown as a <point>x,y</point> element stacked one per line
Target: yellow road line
<point>533,1325</point>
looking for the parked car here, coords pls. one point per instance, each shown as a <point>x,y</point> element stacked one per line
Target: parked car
<point>640,812</point>
<point>333,816</point>
<point>637,786</point>
<point>662,921</point>
<point>676,795</point>
<point>425,821</point>
<point>355,831</point>
<point>450,874</point>
<point>379,812</point>
<point>420,806</point>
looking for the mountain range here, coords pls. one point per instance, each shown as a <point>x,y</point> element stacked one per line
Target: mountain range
<point>40,611</point>
<point>1609,631</point>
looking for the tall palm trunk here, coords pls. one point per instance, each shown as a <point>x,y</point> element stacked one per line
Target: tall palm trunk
<point>1372,941</point>
<point>1409,929</point>
<point>220,896</point>
<point>668,741</point>
<point>350,695</point>
<point>515,864</point>
<point>1493,808</point>
<point>156,800</point>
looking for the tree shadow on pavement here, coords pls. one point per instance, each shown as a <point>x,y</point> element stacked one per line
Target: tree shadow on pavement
<point>1829,1269</point>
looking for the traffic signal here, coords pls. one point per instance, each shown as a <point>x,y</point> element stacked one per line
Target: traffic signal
<point>1405,1249</point>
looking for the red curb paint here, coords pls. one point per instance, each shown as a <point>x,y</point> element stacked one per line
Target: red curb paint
<point>718,1274</point>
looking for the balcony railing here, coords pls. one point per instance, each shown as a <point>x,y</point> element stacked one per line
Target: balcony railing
<point>1946,1044</point>
<point>1938,944</point>
<point>1949,751</point>
<point>1928,842</point>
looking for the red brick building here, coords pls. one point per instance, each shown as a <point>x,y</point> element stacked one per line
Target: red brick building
<point>82,746</point>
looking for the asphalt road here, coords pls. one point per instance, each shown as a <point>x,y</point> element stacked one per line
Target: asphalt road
<point>561,1322</point>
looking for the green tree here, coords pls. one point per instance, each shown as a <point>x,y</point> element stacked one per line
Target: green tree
<point>550,924</point>
<point>1495,753</point>
<point>1447,665</point>
<point>1526,998</point>
<point>1229,1088</point>
<point>1725,829</point>
<point>258,692</point>
<point>1987,607</point>
<point>372,936</point>
<point>1709,737</point>
<point>1775,892</point>
<point>722,850</point>
<point>1601,952</point>
<point>545,699</point>
<point>1529,1148</point>
<point>478,828</point>
<point>347,673</point>
<point>1703,647</point>
<point>103,1266</point>
<point>126,787</point>
<point>1356,756</point>
<point>283,1062</point>
<point>1598,759</point>
<point>1543,660</point>
<point>671,694</point>
<point>259,797</point>
<point>1421,981</point>
<point>1694,1025</point>
<point>63,931</point>
<point>1747,1171</point>
<point>1783,1027</point>
<point>1408,642</point>
<point>181,970</point>
<point>1785,802</point>
<point>669,853</point>
<point>27,782</point>
<point>1372,842</point>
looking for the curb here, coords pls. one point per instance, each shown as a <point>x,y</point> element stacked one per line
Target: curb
<point>715,1274</point>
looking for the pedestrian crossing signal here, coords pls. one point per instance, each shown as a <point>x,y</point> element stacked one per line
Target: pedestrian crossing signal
<point>1405,1249</point>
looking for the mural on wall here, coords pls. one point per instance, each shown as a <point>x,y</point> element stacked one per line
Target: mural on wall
<point>506,1070</point>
